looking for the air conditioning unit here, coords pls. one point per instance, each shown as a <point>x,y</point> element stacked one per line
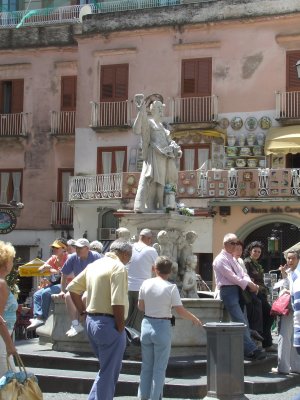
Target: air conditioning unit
<point>107,234</point>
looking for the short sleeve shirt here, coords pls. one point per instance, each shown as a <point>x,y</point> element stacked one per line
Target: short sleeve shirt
<point>74,265</point>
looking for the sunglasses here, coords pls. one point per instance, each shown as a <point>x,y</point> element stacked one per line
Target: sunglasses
<point>233,243</point>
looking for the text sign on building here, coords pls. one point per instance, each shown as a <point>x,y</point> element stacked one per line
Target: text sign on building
<point>8,220</point>
<point>272,210</point>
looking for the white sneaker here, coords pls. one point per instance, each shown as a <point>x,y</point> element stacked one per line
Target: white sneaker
<point>35,323</point>
<point>75,329</point>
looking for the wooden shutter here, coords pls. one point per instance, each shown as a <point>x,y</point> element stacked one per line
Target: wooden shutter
<point>121,86</point>
<point>114,82</point>
<point>17,95</point>
<point>1,97</point>
<point>68,93</point>
<point>292,80</point>
<point>196,77</point>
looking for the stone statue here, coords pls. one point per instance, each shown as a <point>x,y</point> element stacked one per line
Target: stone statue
<point>165,247</point>
<point>159,154</point>
<point>189,283</point>
<point>186,251</point>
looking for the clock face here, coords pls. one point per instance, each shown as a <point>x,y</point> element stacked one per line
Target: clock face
<point>8,220</point>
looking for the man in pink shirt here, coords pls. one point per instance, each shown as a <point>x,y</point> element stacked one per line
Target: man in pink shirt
<point>230,279</point>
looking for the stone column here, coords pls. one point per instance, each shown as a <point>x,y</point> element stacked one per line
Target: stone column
<point>225,361</point>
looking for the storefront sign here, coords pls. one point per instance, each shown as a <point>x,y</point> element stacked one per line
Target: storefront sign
<point>271,210</point>
<point>8,220</point>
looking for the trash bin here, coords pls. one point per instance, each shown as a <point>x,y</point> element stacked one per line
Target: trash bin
<point>225,360</point>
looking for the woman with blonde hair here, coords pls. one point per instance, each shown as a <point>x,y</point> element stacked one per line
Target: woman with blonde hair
<point>8,307</point>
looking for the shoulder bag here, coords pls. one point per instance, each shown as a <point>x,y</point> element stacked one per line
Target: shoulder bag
<point>20,385</point>
<point>281,306</point>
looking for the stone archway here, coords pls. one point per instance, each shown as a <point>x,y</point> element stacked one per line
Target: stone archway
<point>262,227</point>
<point>260,221</point>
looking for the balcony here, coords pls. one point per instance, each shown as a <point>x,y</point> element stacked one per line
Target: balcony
<point>14,125</point>
<point>61,215</point>
<point>233,184</point>
<point>70,14</point>
<point>195,110</point>
<point>63,123</point>
<point>287,106</point>
<point>110,115</point>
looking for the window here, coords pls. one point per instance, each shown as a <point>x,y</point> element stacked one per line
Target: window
<point>114,82</point>
<point>68,93</point>
<point>196,77</point>
<point>12,5</point>
<point>194,156</point>
<point>11,96</point>
<point>111,160</point>
<point>292,80</point>
<point>10,186</point>
<point>64,175</point>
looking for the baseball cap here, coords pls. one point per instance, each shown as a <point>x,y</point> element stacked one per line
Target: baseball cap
<point>82,242</point>
<point>58,244</point>
<point>146,232</point>
<point>71,242</point>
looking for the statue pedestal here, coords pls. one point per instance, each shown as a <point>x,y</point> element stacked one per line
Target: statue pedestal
<point>158,221</point>
<point>184,333</point>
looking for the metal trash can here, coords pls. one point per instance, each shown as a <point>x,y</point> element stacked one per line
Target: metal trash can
<point>225,360</point>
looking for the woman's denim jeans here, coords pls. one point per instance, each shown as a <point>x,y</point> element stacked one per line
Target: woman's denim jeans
<point>230,298</point>
<point>42,301</point>
<point>156,347</point>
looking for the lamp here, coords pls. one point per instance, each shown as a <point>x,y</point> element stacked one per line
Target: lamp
<point>298,68</point>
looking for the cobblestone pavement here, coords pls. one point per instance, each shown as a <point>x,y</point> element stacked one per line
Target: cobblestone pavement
<point>288,395</point>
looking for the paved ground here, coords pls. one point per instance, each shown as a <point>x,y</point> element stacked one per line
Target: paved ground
<point>289,395</point>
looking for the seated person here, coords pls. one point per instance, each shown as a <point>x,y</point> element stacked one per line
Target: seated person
<point>42,297</point>
<point>189,284</point>
<point>75,264</point>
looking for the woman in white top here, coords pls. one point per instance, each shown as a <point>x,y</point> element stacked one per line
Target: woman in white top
<point>157,296</point>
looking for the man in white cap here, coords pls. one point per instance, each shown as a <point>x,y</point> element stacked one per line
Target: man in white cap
<point>139,269</point>
<point>75,264</point>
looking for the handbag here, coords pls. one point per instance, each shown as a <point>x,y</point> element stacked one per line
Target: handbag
<point>281,306</point>
<point>20,385</point>
<point>133,336</point>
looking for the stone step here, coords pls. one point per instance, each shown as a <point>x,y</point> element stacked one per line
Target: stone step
<point>52,380</point>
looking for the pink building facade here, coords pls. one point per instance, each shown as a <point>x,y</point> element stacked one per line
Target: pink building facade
<point>226,71</point>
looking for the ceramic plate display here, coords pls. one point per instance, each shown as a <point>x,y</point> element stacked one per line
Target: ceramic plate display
<point>265,122</point>
<point>251,123</point>
<point>224,123</point>
<point>252,162</point>
<point>236,123</point>
<point>231,151</point>
<point>240,162</point>
<point>245,151</point>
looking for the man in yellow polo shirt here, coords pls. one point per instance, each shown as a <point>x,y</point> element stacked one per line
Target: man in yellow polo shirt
<point>105,281</point>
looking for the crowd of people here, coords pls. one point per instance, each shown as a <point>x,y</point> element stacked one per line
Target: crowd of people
<point>132,285</point>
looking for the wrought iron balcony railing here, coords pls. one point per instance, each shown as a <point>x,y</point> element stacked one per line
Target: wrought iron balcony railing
<point>14,124</point>
<point>195,109</point>
<point>110,114</point>
<point>61,214</point>
<point>287,105</point>
<point>63,123</point>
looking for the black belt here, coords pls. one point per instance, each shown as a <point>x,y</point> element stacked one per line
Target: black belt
<point>99,314</point>
<point>147,316</point>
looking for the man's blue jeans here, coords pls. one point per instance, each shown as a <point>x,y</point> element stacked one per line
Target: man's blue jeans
<point>109,346</point>
<point>42,301</point>
<point>230,297</point>
<point>156,347</point>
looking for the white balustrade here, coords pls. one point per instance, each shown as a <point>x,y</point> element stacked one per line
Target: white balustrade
<point>95,187</point>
